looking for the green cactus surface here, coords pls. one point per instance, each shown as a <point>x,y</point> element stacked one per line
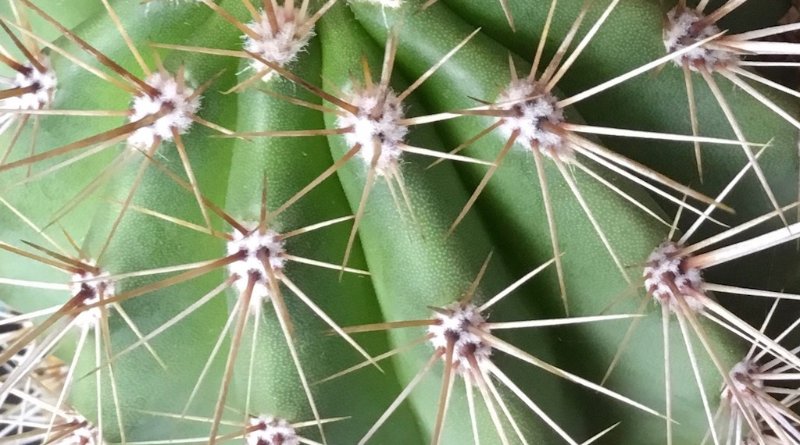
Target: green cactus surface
<point>399,222</point>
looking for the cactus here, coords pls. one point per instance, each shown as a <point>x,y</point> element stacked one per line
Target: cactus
<point>390,222</point>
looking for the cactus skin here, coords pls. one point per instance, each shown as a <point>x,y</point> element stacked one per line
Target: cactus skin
<point>413,263</point>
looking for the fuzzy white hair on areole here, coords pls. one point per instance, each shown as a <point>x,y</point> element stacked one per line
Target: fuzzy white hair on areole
<point>746,394</point>
<point>44,83</point>
<point>680,32</point>
<point>171,93</point>
<point>666,270</point>
<point>93,284</point>
<point>85,434</point>
<point>532,108</point>
<point>251,244</point>
<point>81,436</point>
<point>281,45</point>
<point>271,431</point>
<point>375,119</point>
<point>454,322</point>
<point>743,376</point>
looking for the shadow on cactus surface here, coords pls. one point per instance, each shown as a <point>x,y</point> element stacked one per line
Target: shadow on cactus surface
<point>287,222</point>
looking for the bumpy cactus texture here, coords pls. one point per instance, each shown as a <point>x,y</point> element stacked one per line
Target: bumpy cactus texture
<point>399,222</point>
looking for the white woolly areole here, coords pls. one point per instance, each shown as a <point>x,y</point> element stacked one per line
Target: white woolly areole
<point>271,431</point>
<point>666,271</point>
<point>44,87</point>
<point>280,45</point>
<point>93,286</point>
<point>173,95</point>
<point>743,378</point>
<point>455,326</point>
<point>530,114</point>
<point>253,245</point>
<point>745,395</point>
<point>85,434</point>
<point>376,119</point>
<point>684,28</point>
